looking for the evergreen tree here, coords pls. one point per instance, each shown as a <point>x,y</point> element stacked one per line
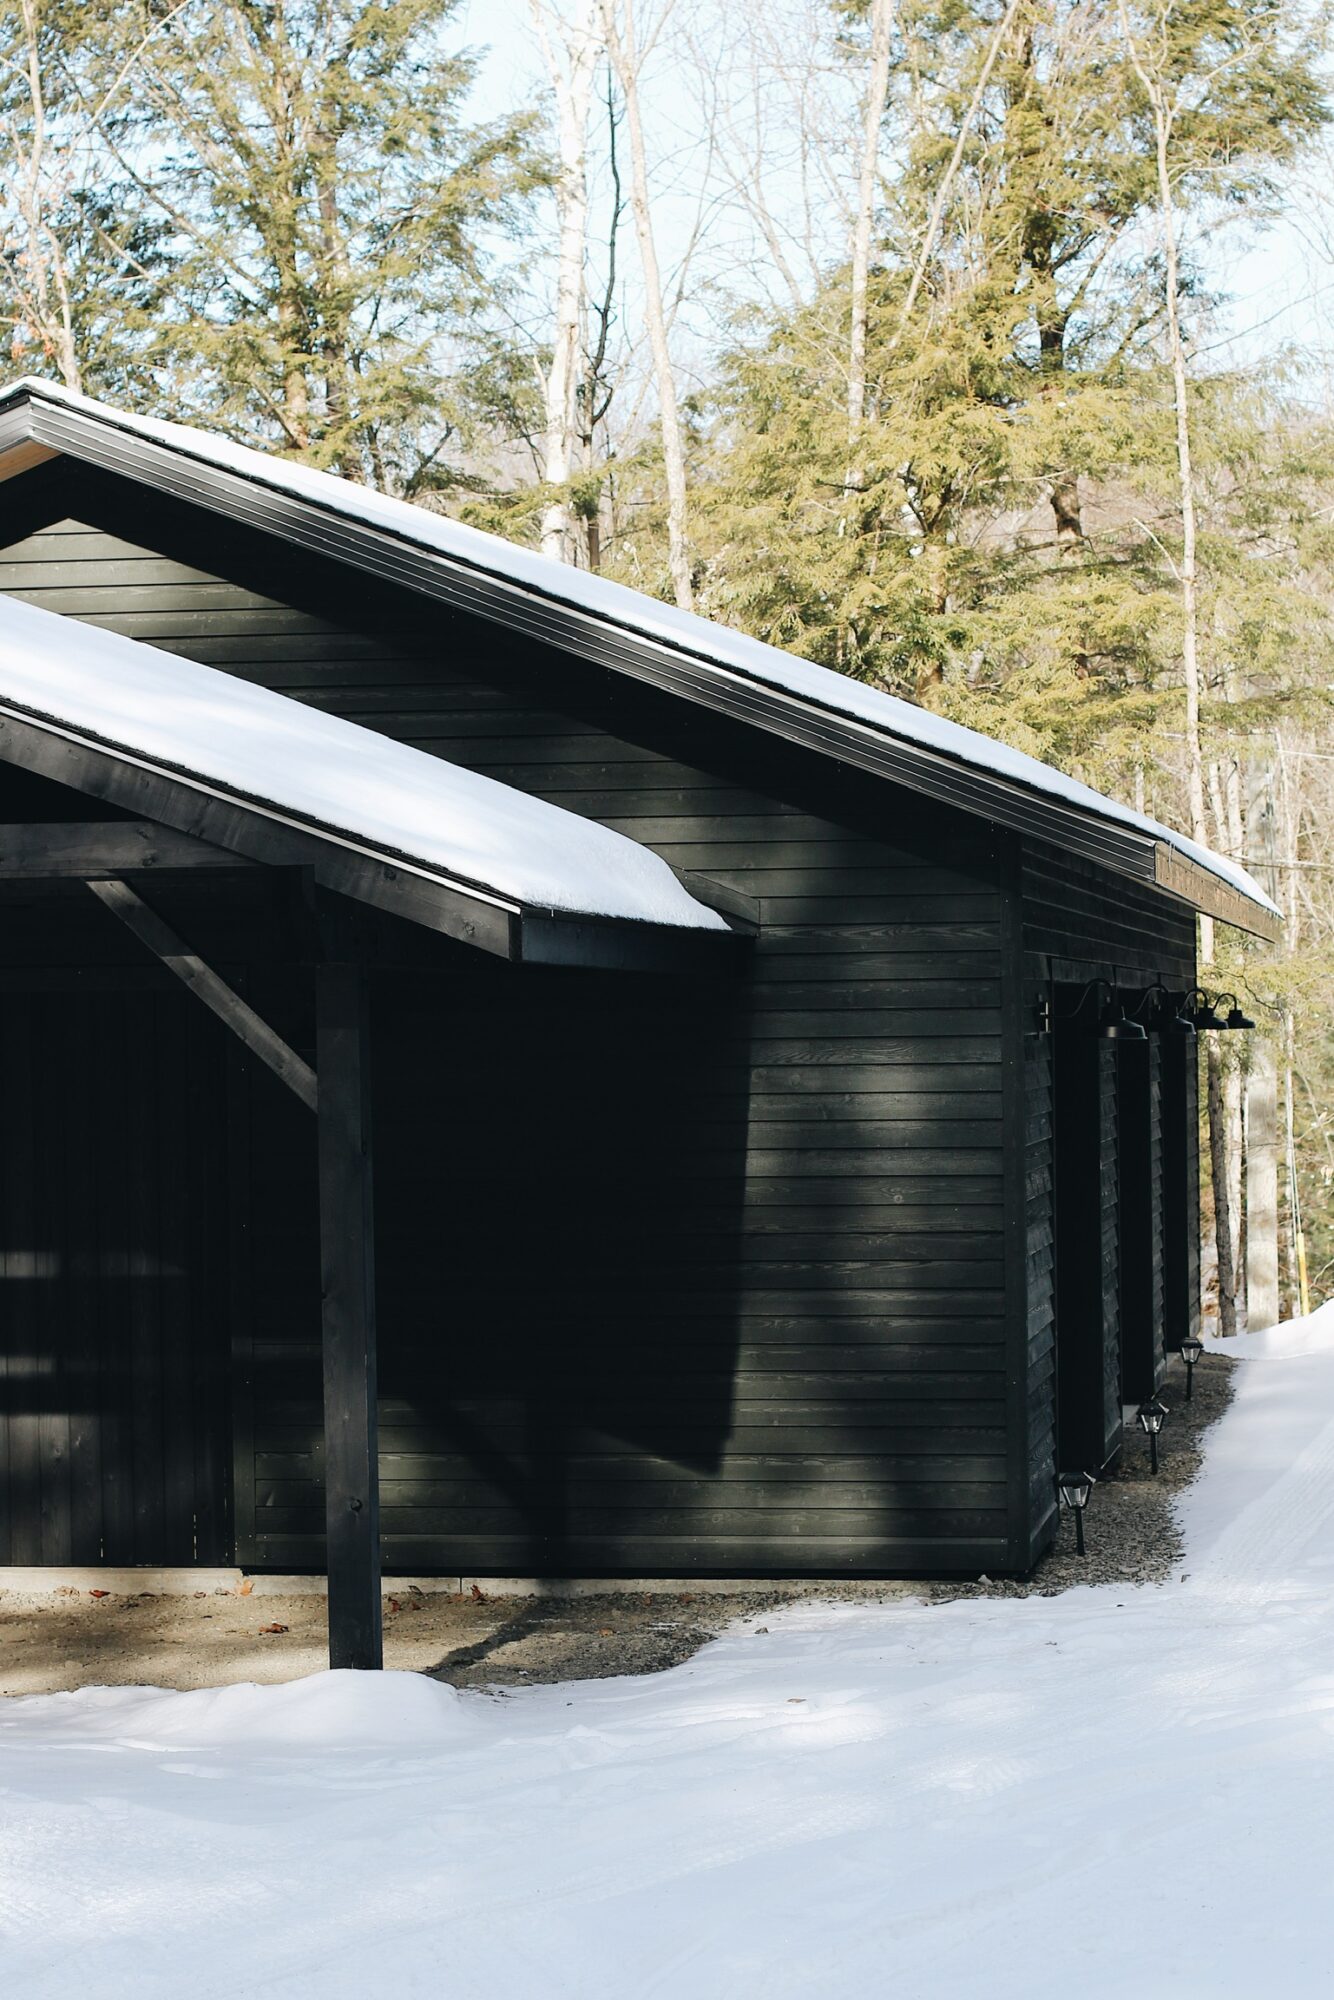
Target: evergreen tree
<point>1016,426</point>
<point>330,208</point>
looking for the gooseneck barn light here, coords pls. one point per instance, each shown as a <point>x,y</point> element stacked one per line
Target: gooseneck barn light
<point>1167,1015</point>
<point>1074,1489</point>
<point>1191,1350</point>
<point>1235,1017</point>
<point>1112,1020</point>
<point>1151,1417</point>
<point>1199,1009</point>
<point>1203,1012</point>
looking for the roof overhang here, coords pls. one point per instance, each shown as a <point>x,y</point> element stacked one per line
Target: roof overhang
<point>35,426</point>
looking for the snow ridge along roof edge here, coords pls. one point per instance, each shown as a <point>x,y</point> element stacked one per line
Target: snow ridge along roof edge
<point>112,699</point>
<point>689,655</point>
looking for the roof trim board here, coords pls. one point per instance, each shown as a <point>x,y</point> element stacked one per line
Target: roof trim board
<point>506,585</point>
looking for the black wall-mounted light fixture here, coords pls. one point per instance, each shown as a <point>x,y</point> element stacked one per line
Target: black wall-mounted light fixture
<point>1074,1489</point>
<point>1113,1023</point>
<point>1151,1417</point>
<point>1191,1350</point>
<point>1235,1017</point>
<point>1167,1015</point>
<point>1200,1012</point>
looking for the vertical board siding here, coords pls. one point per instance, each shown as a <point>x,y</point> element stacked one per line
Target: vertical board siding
<point>1139,1115</point>
<point>1041,1288</point>
<point>1087,1270</point>
<point>114,1409</point>
<point>673,1277</point>
<point>1079,925</point>
<point>1109,1242</point>
<point>1180,1155</point>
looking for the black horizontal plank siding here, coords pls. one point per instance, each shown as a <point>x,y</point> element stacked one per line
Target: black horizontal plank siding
<point>674,1275</point>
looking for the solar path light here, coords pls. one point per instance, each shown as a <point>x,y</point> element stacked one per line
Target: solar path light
<point>1151,1418</point>
<point>1191,1350</point>
<point>1074,1489</point>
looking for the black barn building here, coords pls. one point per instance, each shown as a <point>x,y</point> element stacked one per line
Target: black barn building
<point>679,1072</point>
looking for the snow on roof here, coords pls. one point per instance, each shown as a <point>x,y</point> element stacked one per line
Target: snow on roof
<point>278,754</point>
<point>715,646</point>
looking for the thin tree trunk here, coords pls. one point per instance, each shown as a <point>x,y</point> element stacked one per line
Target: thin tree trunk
<point>1162,126</point>
<point>877,92</point>
<point>571,71</point>
<point>1262,1188</point>
<point>625,55</point>
<point>1234,1146</point>
<point>1190,658</point>
<point>1261,854</point>
<point>1218,1163</point>
<point>49,301</point>
<point>947,178</point>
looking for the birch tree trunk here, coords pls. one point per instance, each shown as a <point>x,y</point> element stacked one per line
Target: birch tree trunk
<point>1262,1303</point>
<point>1162,110</point>
<point>40,272</point>
<point>1262,1188</point>
<point>1187,575</point>
<point>622,42</point>
<point>877,92</point>
<point>571,48</point>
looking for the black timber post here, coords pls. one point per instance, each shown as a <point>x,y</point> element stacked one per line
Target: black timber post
<point>347,1274</point>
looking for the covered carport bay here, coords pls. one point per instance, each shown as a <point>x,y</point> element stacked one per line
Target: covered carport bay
<point>211,779</point>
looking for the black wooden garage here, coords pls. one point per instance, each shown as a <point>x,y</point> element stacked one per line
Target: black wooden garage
<point>745,1119</point>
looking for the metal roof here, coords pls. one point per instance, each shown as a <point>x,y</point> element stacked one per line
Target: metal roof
<point>629,633</point>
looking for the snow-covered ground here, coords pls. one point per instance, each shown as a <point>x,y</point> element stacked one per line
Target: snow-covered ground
<point>1120,1791</point>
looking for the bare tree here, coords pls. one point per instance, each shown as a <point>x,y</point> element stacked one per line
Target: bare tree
<point>877,91</point>
<point>627,56</point>
<point>1149,66</point>
<point>572,44</point>
<point>33,252</point>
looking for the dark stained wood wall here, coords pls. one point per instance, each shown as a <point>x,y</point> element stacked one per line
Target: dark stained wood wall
<point>1040,1288</point>
<point>1181,1180</point>
<point>673,1280</point>
<point>1140,1176</point>
<point>1080,925</point>
<point>114,1367</point>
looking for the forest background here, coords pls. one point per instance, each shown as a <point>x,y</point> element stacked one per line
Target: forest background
<point>904,334</point>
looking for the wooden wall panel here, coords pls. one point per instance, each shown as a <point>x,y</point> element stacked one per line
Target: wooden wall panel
<point>1139,1123</point>
<point>1040,1290</point>
<point>113,1362</point>
<point>674,1278</point>
<point>1079,925</point>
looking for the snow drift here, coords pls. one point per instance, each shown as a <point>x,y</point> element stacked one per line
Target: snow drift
<point>1120,1790</point>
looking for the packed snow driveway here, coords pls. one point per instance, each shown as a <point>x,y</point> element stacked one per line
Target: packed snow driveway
<point>1118,1790</point>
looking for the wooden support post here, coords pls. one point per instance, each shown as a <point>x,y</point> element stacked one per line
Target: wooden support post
<point>347,1266</point>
